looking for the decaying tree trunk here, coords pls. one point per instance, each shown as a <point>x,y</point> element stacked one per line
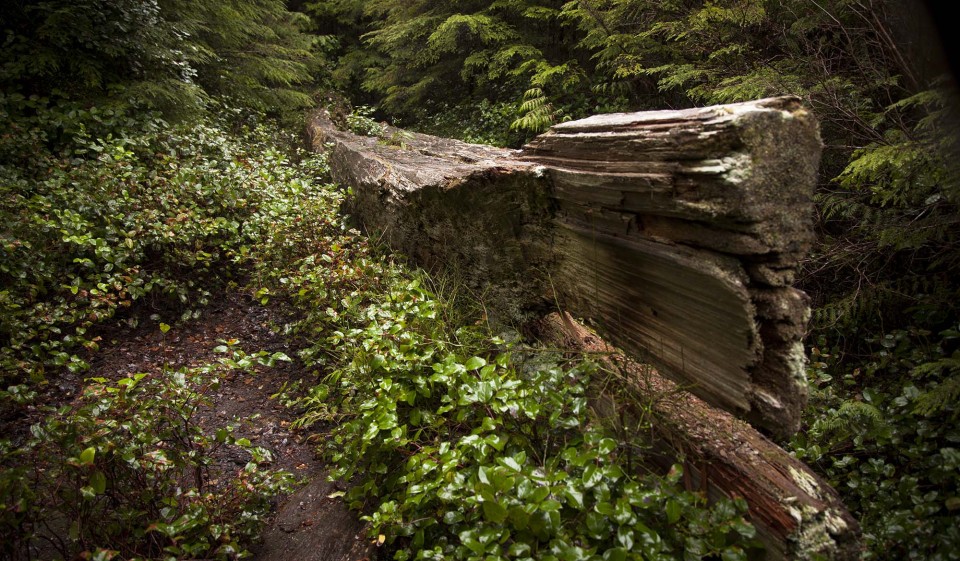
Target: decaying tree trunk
<point>675,233</point>
<point>679,232</point>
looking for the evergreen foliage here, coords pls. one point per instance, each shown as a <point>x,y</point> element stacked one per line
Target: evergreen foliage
<point>105,208</point>
<point>172,55</point>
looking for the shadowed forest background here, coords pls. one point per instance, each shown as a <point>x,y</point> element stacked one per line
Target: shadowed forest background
<point>150,161</point>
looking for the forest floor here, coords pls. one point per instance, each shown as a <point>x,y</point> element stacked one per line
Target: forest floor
<point>308,525</point>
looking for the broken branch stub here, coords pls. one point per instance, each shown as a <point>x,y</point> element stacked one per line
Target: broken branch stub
<point>676,233</point>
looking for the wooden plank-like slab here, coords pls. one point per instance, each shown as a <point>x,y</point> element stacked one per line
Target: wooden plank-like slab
<point>680,232</point>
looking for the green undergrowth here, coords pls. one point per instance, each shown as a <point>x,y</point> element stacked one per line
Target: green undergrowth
<point>462,445</point>
<point>457,443</point>
<point>884,431</point>
<point>128,213</point>
<point>108,219</point>
<point>127,472</point>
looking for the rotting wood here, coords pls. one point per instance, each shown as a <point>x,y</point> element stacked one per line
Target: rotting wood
<point>676,233</point>
<point>680,232</point>
<point>476,212</point>
<point>797,515</point>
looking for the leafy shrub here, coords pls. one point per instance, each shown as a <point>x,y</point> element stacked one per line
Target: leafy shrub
<point>158,215</point>
<point>361,122</point>
<point>454,455</point>
<point>884,432</point>
<point>127,471</point>
<point>105,217</point>
<point>469,457</point>
<point>478,122</point>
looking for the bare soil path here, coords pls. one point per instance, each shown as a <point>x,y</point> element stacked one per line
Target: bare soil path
<point>308,526</point>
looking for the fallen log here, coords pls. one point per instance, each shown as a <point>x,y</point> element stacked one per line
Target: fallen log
<point>797,515</point>
<point>676,233</point>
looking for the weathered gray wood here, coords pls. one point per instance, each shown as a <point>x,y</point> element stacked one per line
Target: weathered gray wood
<point>679,232</point>
<point>477,212</point>
<point>675,232</point>
<point>797,515</point>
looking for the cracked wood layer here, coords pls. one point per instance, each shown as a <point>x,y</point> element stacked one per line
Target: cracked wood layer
<point>679,233</point>
<point>676,233</point>
<point>797,515</point>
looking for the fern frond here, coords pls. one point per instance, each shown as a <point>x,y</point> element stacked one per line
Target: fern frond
<point>943,396</point>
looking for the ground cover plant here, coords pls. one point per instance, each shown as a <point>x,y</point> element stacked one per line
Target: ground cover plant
<point>144,224</point>
<point>460,445</point>
<point>148,228</point>
<point>126,471</point>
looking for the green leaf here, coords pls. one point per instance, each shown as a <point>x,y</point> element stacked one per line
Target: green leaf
<point>475,363</point>
<point>673,511</point>
<point>591,476</point>
<point>550,505</point>
<point>494,512</point>
<point>539,494</point>
<point>87,456</point>
<point>574,497</point>
<point>597,525</point>
<point>519,517</point>
<point>485,392</point>
<point>604,508</point>
<point>98,481</point>
<point>607,445</point>
<point>164,327</point>
<point>733,554</point>
<point>452,517</point>
<point>615,554</point>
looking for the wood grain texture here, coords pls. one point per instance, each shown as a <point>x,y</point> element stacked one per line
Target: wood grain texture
<point>688,226</point>
<point>676,233</point>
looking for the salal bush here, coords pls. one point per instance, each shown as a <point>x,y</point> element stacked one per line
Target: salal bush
<point>155,217</point>
<point>127,471</point>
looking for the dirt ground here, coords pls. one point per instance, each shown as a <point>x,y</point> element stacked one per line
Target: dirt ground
<point>308,525</point>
